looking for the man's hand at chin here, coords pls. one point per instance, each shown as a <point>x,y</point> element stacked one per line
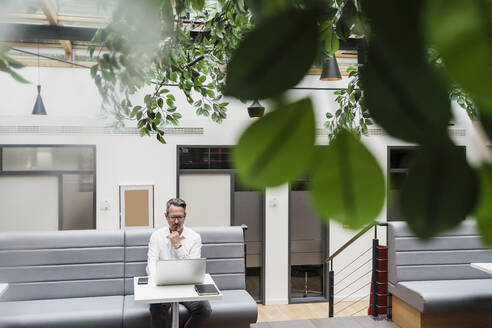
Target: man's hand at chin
<point>175,239</point>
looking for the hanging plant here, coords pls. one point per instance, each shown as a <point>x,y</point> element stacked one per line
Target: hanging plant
<point>352,114</point>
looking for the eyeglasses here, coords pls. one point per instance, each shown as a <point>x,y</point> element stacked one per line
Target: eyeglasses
<point>176,217</point>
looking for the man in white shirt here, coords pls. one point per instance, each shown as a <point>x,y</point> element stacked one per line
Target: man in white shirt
<point>176,242</point>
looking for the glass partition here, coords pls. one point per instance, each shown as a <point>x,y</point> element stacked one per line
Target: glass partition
<point>47,158</point>
<point>78,200</point>
<point>248,210</point>
<point>71,169</point>
<point>308,246</point>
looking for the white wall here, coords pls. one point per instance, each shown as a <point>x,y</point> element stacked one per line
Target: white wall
<point>71,99</point>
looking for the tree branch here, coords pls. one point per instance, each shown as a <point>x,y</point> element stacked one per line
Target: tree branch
<point>193,62</point>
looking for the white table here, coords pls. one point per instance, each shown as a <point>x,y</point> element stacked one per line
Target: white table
<point>150,294</point>
<point>487,267</point>
<point>3,288</point>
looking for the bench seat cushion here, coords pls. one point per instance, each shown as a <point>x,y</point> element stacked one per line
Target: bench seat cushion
<point>433,296</point>
<point>104,312</point>
<point>235,307</point>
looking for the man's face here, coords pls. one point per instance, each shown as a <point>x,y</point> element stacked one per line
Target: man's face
<point>175,218</point>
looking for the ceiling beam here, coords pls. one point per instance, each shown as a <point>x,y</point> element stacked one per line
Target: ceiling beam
<point>67,45</point>
<point>49,10</point>
<point>50,63</point>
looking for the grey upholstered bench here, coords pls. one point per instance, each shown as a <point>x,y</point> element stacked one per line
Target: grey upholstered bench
<point>84,278</point>
<point>224,250</point>
<point>432,283</point>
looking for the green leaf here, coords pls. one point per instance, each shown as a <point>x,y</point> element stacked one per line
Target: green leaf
<point>332,44</point>
<point>270,59</point>
<point>4,49</point>
<point>440,191</point>
<point>13,62</point>
<point>91,49</point>
<point>16,76</point>
<point>328,13</point>
<point>173,76</point>
<point>403,92</point>
<point>160,138</point>
<point>483,212</point>
<point>347,182</point>
<point>486,122</point>
<point>462,33</point>
<point>97,36</point>
<point>94,69</point>
<point>346,20</point>
<point>278,147</point>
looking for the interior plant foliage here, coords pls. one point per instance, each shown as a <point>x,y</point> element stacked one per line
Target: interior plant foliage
<point>352,114</point>
<point>9,65</point>
<point>268,46</point>
<point>174,47</point>
<point>404,94</point>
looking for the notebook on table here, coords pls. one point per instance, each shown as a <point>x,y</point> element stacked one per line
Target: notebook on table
<point>206,289</point>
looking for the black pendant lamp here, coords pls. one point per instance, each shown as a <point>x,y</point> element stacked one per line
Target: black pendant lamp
<point>256,110</point>
<point>330,71</point>
<point>38,105</point>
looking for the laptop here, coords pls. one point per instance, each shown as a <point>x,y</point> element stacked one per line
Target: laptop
<point>180,272</point>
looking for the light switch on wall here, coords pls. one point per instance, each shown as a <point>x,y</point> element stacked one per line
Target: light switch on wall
<point>105,205</point>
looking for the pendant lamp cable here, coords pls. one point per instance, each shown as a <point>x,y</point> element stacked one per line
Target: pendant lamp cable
<point>38,64</point>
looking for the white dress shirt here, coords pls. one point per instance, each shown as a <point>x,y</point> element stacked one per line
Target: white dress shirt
<point>161,247</point>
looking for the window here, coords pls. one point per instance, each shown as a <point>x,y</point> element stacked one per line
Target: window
<point>57,182</point>
<point>203,158</point>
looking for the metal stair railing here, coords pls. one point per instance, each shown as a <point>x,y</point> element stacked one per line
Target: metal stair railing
<point>374,279</point>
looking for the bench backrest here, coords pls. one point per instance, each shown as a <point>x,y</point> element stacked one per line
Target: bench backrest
<point>222,246</point>
<point>61,264</point>
<point>445,257</point>
<point>65,264</point>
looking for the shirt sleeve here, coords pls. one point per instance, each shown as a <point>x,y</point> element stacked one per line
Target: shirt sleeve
<point>152,254</point>
<point>194,252</point>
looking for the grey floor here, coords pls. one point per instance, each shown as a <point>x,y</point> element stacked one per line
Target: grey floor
<point>341,322</point>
